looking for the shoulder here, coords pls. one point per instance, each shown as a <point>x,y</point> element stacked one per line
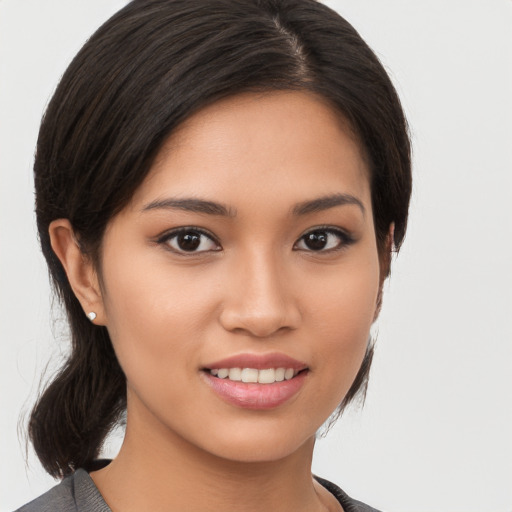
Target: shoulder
<point>349,504</point>
<point>58,499</point>
<point>75,493</point>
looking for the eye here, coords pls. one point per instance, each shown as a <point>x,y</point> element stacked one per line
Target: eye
<point>189,240</point>
<point>323,240</point>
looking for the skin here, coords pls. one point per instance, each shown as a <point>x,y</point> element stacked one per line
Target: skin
<point>256,288</point>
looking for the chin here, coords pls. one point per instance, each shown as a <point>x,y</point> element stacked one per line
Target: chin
<point>258,444</point>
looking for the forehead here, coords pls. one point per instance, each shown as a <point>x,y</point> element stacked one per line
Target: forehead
<point>278,146</point>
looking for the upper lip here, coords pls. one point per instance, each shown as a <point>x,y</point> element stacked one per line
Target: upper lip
<point>258,362</point>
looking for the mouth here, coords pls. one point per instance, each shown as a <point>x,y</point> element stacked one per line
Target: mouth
<point>255,375</point>
<point>255,381</point>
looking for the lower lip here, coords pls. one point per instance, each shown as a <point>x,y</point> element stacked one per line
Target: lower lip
<point>256,396</point>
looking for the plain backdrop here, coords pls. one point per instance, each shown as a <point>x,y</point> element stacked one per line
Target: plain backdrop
<point>435,433</point>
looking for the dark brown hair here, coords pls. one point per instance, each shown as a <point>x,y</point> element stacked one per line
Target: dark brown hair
<point>146,70</point>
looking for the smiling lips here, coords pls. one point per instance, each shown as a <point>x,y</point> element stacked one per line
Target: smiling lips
<point>265,376</point>
<point>255,381</point>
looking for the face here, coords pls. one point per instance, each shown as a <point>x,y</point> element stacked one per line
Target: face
<point>249,251</point>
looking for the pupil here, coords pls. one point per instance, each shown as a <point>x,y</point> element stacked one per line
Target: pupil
<point>189,241</point>
<point>316,240</point>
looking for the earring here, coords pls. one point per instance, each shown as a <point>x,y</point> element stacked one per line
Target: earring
<point>91,316</point>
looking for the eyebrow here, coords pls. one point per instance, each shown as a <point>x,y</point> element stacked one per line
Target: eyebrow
<point>212,208</point>
<point>191,205</point>
<point>326,202</point>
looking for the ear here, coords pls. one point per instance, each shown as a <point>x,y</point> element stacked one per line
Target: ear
<point>385,266</point>
<point>78,267</point>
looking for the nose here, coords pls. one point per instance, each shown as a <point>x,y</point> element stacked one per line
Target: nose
<point>259,299</point>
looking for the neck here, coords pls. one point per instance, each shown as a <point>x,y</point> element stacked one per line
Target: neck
<point>158,470</point>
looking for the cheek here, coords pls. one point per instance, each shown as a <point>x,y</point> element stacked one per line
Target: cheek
<point>342,312</point>
<point>345,301</point>
<point>153,315</point>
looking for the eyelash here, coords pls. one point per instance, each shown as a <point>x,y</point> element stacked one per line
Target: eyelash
<point>170,235</point>
<point>345,239</point>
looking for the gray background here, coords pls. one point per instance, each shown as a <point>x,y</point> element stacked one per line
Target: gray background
<point>435,434</point>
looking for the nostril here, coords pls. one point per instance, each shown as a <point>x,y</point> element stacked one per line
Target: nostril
<point>258,323</point>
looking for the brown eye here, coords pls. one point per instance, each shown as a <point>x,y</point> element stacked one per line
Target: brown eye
<point>317,240</point>
<point>191,241</point>
<point>188,241</point>
<point>323,240</point>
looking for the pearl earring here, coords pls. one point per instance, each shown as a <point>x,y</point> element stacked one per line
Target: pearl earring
<point>91,316</point>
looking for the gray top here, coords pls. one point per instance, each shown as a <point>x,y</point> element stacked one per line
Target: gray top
<point>78,493</point>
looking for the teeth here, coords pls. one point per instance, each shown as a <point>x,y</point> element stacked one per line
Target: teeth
<point>249,375</point>
<point>267,376</point>
<point>235,374</point>
<point>288,374</point>
<point>223,373</point>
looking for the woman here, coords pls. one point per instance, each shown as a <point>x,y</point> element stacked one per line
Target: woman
<point>219,187</point>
